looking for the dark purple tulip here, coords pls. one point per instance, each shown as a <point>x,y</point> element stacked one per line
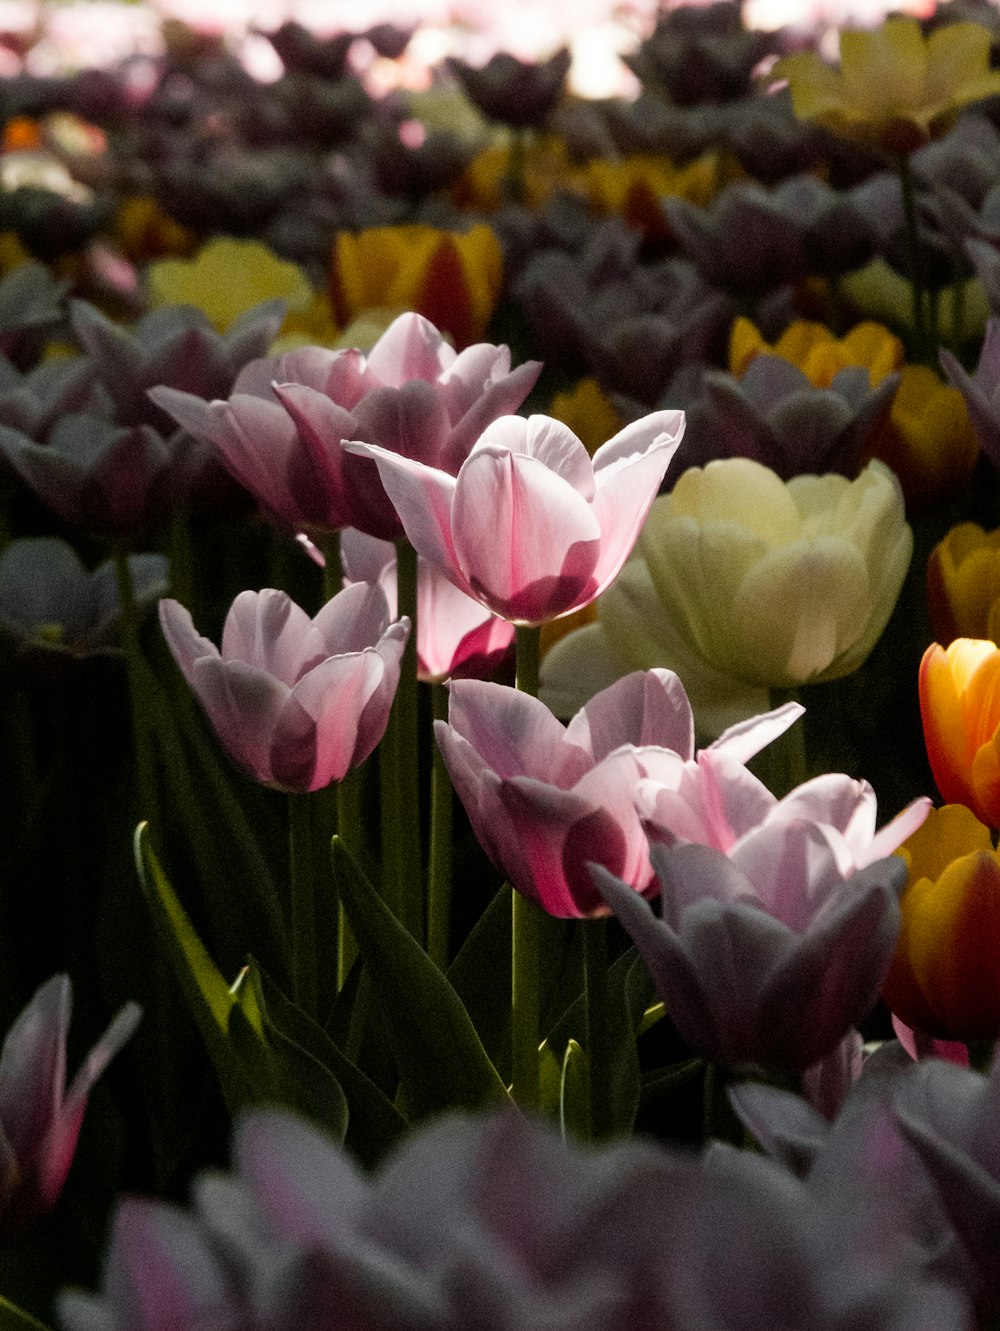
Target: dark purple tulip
<point>745,242</point>
<point>950,1118</point>
<point>777,417</point>
<point>51,607</point>
<point>495,1223</point>
<point>175,346</point>
<point>100,478</point>
<point>764,960</point>
<point>981,389</point>
<point>702,55</point>
<point>515,92</point>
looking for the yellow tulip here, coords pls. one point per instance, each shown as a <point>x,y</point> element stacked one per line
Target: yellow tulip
<point>817,351</point>
<point>928,439</point>
<point>453,278</point>
<point>945,977</point>
<point>963,583</point>
<point>226,278</point>
<point>588,413</point>
<point>895,88</point>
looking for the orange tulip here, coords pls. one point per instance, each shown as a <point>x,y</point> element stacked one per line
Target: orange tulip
<point>960,707</point>
<point>945,977</point>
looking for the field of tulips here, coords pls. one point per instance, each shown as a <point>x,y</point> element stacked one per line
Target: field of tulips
<point>470,554</point>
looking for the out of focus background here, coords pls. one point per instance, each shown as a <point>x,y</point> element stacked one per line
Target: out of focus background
<point>45,36</point>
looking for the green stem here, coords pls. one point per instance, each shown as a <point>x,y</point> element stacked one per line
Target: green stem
<point>183,584</point>
<point>139,703</point>
<point>333,571</point>
<point>528,638</point>
<point>594,936</point>
<point>525,1032</point>
<point>526,926</point>
<point>439,855</point>
<point>303,903</point>
<point>782,765</point>
<point>922,347</point>
<point>351,832</point>
<point>408,751</point>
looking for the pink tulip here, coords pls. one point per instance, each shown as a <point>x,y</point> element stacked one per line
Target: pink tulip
<point>531,526</point>
<point>39,1119</point>
<point>717,802</point>
<point>297,703</point>
<point>544,799</point>
<point>457,637</point>
<point>280,431</point>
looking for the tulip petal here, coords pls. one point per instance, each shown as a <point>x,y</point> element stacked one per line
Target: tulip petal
<point>268,631</point>
<point>526,541</point>
<point>244,706</point>
<point>646,707</point>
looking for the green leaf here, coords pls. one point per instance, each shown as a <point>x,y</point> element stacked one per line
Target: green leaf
<point>13,1318</point>
<point>480,975</point>
<point>574,1094</point>
<point>372,1123</point>
<point>549,1081</point>
<point>661,1081</point>
<point>441,1060</point>
<point>238,1050</point>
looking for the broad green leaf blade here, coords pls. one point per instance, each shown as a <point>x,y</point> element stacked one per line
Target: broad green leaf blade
<point>574,1094</point>
<point>441,1060</point>
<point>205,990</point>
<point>373,1125</point>
<point>480,975</point>
<point>13,1318</point>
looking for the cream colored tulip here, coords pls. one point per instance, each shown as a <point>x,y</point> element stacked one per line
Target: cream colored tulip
<point>778,584</point>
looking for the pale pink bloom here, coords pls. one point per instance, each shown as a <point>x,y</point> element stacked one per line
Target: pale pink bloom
<point>717,802</point>
<point>545,799</point>
<point>531,526</point>
<point>296,702</point>
<point>280,431</point>
<point>40,1119</point>
<point>456,636</point>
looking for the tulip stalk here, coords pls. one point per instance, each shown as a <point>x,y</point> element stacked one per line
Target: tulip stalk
<point>137,692</point>
<point>303,902</point>
<point>526,925</point>
<point>916,259</point>
<point>594,936</point>
<point>399,767</point>
<point>439,864</point>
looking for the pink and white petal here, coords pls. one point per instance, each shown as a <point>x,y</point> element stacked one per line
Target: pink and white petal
<point>352,620</point>
<point>268,631</point>
<point>742,740</point>
<point>497,400</point>
<point>472,371</point>
<point>647,707</point>
<point>243,705</point>
<point>515,734</point>
<point>375,717</point>
<point>410,421</point>
<point>626,489</point>
<point>476,785</point>
<point>733,801</point>
<point>186,645</point>
<point>422,497</point>
<point>555,445</point>
<point>525,540</point>
<point>33,1068</point>
<point>889,838</point>
<point>367,559</point>
<point>321,424</point>
<point>837,799</point>
<point>794,868</point>
<point>638,438</point>
<point>333,697</point>
<point>57,1155</point>
<point>535,849</point>
<point>454,629</point>
<point>410,348</point>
